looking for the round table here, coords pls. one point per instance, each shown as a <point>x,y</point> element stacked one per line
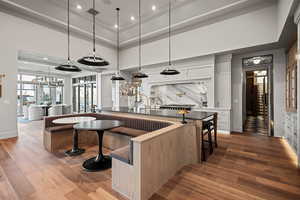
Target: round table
<point>99,162</point>
<point>75,151</point>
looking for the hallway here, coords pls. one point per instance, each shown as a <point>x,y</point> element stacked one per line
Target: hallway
<point>256,125</point>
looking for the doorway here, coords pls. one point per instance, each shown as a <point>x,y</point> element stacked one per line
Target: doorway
<point>257,102</point>
<point>258,95</point>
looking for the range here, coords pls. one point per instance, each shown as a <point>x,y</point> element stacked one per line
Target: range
<point>177,106</point>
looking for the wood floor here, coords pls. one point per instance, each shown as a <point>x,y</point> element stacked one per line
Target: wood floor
<point>243,167</point>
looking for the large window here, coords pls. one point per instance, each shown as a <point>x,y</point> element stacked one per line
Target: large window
<point>84,94</point>
<point>39,90</point>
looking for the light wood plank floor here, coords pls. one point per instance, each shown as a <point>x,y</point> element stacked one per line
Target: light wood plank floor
<point>243,167</point>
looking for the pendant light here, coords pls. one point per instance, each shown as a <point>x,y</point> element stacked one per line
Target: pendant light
<point>140,74</point>
<point>117,76</point>
<point>68,67</point>
<point>93,60</point>
<point>169,70</point>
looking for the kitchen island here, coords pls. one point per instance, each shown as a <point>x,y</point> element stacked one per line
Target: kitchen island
<point>157,155</point>
<point>193,115</point>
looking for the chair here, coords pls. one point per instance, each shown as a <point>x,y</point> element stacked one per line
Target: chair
<point>55,110</point>
<point>35,113</point>
<point>25,112</point>
<point>208,127</point>
<point>67,109</point>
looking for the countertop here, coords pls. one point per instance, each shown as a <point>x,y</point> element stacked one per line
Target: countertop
<point>193,115</point>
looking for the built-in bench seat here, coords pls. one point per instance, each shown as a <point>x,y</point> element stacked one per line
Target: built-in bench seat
<point>58,137</point>
<point>122,154</point>
<point>59,128</point>
<point>128,131</point>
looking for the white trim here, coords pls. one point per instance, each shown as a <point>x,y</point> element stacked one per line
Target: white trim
<point>8,134</point>
<point>224,132</point>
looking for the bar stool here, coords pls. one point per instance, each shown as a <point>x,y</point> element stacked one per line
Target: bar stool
<point>209,126</point>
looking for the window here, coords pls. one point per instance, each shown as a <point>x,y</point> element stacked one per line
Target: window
<point>291,80</point>
<point>32,89</point>
<point>84,94</point>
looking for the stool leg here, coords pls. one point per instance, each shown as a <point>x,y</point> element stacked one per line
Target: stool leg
<point>211,148</point>
<point>202,147</point>
<point>215,135</point>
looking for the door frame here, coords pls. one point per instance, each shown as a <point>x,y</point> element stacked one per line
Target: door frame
<point>269,69</point>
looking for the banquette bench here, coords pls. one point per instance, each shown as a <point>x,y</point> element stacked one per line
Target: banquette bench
<point>146,152</point>
<point>57,136</point>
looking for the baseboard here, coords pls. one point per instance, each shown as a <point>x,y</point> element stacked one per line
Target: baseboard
<point>8,134</point>
<point>224,132</point>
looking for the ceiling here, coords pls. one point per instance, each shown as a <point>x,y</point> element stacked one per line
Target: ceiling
<point>184,13</point>
<point>43,64</point>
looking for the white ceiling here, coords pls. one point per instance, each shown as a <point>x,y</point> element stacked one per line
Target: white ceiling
<point>185,13</point>
<point>43,64</point>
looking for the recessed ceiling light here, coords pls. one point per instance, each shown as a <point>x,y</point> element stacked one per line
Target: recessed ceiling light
<point>154,7</point>
<point>132,18</point>
<point>45,58</point>
<point>79,7</point>
<point>116,25</point>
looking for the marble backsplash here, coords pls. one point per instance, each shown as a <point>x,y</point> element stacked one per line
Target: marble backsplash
<point>180,93</point>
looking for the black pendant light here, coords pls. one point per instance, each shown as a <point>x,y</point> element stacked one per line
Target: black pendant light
<point>68,67</point>
<point>117,76</point>
<point>140,74</point>
<point>169,70</point>
<point>93,60</point>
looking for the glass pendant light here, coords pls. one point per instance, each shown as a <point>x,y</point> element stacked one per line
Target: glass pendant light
<point>117,76</point>
<point>169,70</point>
<point>68,67</point>
<point>140,74</point>
<point>93,60</point>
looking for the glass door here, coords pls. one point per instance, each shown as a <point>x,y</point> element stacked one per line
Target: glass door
<point>84,94</point>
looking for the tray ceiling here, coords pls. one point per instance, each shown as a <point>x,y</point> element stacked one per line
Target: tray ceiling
<point>185,13</point>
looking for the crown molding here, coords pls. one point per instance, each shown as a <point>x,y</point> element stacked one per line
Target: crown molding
<point>297,15</point>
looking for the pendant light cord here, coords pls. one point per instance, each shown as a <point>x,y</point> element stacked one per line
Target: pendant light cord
<point>140,38</point>
<point>118,40</point>
<point>68,30</point>
<point>170,33</point>
<point>94,29</point>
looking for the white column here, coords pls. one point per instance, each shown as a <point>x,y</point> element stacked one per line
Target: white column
<point>8,101</point>
<point>297,21</point>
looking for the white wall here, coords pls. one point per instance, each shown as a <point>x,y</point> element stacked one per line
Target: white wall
<point>18,34</point>
<point>283,9</point>
<point>68,91</point>
<point>223,81</point>
<point>251,29</point>
<point>279,67</point>
<point>106,90</point>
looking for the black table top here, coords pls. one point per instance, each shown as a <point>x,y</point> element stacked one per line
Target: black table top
<point>193,115</point>
<point>98,125</point>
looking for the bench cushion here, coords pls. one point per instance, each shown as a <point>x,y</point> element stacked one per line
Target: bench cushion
<point>122,154</point>
<point>60,128</point>
<point>128,131</point>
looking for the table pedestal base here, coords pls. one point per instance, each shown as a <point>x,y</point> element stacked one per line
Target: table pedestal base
<point>97,163</point>
<point>75,152</point>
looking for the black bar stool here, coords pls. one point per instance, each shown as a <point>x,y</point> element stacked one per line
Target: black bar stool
<point>209,126</point>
